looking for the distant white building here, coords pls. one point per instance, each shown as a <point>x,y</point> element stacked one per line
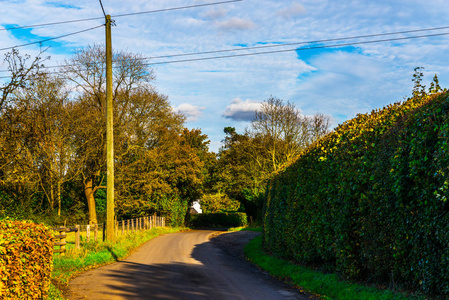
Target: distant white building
<point>196,208</point>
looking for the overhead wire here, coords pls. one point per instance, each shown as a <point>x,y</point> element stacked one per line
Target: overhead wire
<point>284,50</point>
<point>283,45</point>
<point>51,39</point>
<point>102,8</point>
<point>121,15</point>
<point>296,49</point>
<point>298,43</point>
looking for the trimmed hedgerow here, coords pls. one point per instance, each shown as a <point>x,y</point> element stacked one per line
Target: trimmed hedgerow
<point>226,219</point>
<point>26,260</point>
<point>369,200</point>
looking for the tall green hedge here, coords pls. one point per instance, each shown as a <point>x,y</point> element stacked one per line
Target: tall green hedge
<point>26,260</point>
<point>370,199</point>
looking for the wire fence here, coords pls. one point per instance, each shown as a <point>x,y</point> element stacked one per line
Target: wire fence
<point>93,232</point>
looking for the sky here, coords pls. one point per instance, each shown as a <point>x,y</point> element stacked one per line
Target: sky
<point>338,81</point>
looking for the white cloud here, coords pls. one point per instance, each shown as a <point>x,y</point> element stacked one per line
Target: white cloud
<point>216,13</point>
<point>191,112</point>
<point>191,22</point>
<point>235,23</point>
<point>293,10</point>
<point>337,82</point>
<point>240,110</point>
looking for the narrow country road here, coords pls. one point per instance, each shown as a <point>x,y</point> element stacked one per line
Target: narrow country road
<point>179,266</point>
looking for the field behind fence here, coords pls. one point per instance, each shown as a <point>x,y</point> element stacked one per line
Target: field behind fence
<point>77,236</point>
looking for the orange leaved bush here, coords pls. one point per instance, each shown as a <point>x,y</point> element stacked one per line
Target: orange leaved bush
<point>26,260</point>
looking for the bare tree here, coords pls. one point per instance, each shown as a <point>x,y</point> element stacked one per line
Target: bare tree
<point>286,132</point>
<point>20,72</point>
<point>131,83</point>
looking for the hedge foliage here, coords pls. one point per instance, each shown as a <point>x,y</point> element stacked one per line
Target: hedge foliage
<point>224,219</point>
<point>369,200</point>
<point>26,260</point>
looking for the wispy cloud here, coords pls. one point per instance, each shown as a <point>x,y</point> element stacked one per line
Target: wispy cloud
<point>341,82</point>
<point>215,13</point>
<point>235,23</point>
<point>295,9</point>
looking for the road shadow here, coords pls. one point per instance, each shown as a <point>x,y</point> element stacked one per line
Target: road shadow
<point>209,274</point>
<point>163,281</point>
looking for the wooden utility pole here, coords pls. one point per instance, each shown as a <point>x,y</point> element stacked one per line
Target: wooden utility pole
<point>109,136</point>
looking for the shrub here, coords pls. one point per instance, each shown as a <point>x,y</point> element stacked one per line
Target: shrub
<point>370,199</point>
<point>228,219</point>
<point>26,260</point>
<point>212,203</point>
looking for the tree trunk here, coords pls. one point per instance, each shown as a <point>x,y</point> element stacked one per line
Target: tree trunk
<point>89,191</point>
<point>59,198</point>
<point>52,194</point>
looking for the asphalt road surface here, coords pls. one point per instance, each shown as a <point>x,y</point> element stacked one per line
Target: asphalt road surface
<point>185,265</point>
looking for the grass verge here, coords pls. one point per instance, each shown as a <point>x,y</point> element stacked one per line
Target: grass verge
<point>248,228</point>
<point>326,286</point>
<point>96,254</point>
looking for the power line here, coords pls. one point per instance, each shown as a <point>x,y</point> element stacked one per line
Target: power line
<point>121,15</point>
<point>102,8</point>
<point>281,45</point>
<point>299,43</point>
<point>281,51</point>
<point>50,39</point>
<point>176,8</point>
<point>297,49</point>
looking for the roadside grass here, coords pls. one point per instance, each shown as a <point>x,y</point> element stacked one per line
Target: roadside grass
<point>248,228</point>
<point>326,286</point>
<point>95,254</point>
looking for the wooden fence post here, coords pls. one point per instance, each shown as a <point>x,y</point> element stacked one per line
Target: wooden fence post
<point>62,241</point>
<point>96,232</point>
<point>87,233</point>
<point>104,231</point>
<point>77,237</point>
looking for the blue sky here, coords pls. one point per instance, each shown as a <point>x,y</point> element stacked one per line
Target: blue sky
<point>213,94</point>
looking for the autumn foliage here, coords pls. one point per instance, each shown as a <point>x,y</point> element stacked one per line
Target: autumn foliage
<point>53,151</point>
<point>26,260</point>
<point>369,200</point>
